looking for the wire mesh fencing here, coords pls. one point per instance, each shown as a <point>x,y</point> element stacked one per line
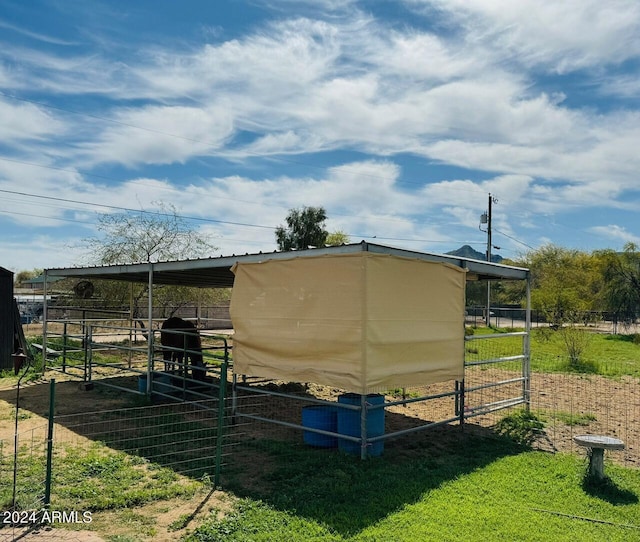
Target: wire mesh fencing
<point>23,469</point>
<point>181,436</point>
<point>581,383</point>
<point>578,404</point>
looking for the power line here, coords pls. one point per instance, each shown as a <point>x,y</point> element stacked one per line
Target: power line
<point>513,238</point>
<point>175,190</point>
<point>210,220</point>
<point>159,132</point>
<point>46,217</point>
<point>356,235</point>
<point>411,239</point>
<point>130,210</point>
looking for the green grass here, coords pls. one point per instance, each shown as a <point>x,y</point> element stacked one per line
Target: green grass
<point>30,478</point>
<point>607,355</point>
<point>10,414</point>
<point>481,490</point>
<point>569,418</point>
<point>98,478</point>
<point>92,478</point>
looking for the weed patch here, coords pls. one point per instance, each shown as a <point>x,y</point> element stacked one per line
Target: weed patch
<point>571,418</point>
<point>522,427</point>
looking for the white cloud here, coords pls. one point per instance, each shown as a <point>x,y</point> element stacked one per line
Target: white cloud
<point>421,56</point>
<point>271,65</point>
<point>465,200</point>
<point>38,251</point>
<point>361,198</point>
<point>159,135</point>
<point>617,233</point>
<point>623,85</point>
<point>462,91</point>
<point>302,86</point>
<point>562,36</point>
<point>24,121</point>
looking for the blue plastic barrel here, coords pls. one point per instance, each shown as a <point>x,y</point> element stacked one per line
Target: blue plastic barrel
<point>323,417</point>
<point>349,423</point>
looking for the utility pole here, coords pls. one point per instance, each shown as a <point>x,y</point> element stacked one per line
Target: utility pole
<point>485,218</point>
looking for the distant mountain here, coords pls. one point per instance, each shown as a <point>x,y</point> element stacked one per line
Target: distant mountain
<point>469,252</point>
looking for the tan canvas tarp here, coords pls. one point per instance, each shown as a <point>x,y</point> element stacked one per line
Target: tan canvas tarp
<point>357,322</point>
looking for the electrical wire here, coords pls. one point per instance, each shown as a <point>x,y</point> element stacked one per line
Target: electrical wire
<point>130,210</point>
<point>175,190</point>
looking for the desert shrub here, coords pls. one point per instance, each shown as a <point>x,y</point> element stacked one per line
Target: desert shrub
<point>576,342</point>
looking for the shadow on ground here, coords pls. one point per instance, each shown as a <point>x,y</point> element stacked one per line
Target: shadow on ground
<point>346,494</point>
<point>607,490</point>
<point>327,486</point>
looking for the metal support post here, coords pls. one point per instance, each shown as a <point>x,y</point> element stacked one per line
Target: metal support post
<point>526,365</point>
<point>52,402</point>
<point>64,347</point>
<point>363,426</point>
<point>150,331</point>
<point>221,413</point>
<point>460,400</point>
<point>45,315</point>
<point>89,349</point>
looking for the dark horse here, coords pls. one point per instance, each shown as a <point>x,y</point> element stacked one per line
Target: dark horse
<point>186,343</point>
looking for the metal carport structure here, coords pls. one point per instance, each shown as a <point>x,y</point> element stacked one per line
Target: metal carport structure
<point>217,272</point>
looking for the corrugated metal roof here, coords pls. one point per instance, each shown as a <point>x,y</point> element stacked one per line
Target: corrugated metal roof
<point>216,272</point>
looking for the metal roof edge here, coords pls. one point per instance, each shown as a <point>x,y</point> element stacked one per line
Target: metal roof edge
<point>481,268</point>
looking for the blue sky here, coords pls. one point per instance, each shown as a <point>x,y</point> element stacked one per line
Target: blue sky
<point>398,117</point>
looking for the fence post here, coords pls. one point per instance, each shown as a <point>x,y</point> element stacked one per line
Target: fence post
<point>52,402</point>
<point>363,426</point>
<point>89,351</point>
<point>64,347</point>
<point>460,402</point>
<point>221,412</point>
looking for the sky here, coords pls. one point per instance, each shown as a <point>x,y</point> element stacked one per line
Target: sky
<point>401,118</point>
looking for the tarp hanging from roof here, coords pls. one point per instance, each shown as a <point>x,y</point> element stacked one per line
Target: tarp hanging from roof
<point>358,322</point>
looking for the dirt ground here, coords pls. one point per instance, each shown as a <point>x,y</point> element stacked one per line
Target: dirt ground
<point>110,524</point>
<point>605,406</point>
<point>569,405</point>
<point>71,398</point>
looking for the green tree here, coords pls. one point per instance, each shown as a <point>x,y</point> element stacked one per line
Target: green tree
<point>621,278</point>
<point>305,228</point>
<point>564,282</point>
<point>337,238</point>
<point>22,276</point>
